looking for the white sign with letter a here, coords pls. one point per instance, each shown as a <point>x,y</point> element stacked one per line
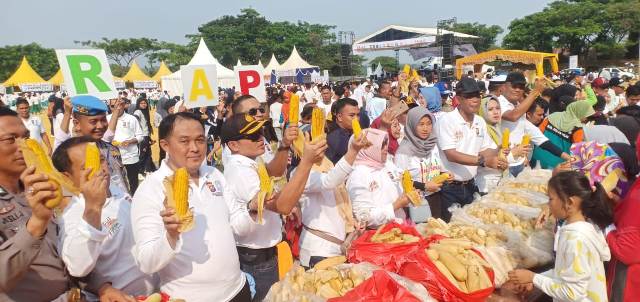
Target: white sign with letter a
<point>87,72</point>
<point>251,81</point>
<point>200,85</point>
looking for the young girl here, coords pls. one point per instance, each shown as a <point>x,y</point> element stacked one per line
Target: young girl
<point>580,245</point>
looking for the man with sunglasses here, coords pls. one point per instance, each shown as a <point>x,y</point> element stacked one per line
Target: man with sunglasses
<point>514,108</point>
<point>90,119</point>
<point>466,144</point>
<point>256,241</point>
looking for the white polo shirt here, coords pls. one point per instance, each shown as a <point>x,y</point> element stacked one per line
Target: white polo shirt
<point>469,138</point>
<point>204,265</point>
<point>242,185</point>
<point>519,128</point>
<point>35,127</point>
<point>128,127</point>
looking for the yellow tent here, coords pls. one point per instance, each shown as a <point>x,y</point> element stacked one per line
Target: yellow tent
<point>162,71</point>
<point>135,74</point>
<point>23,75</point>
<point>57,78</point>
<point>518,56</point>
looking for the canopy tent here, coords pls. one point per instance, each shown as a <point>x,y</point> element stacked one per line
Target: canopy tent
<point>518,56</point>
<point>135,74</point>
<point>226,77</point>
<point>270,70</point>
<point>295,69</point>
<point>57,78</point>
<point>378,72</point>
<point>163,70</point>
<point>24,75</point>
<point>239,63</point>
<point>396,37</point>
<point>260,63</point>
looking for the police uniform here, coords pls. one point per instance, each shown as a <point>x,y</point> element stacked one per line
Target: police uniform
<point>91,106</point>
<point>31,269</point>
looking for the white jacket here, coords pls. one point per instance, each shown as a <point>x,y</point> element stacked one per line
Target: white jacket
<point>579,273</point>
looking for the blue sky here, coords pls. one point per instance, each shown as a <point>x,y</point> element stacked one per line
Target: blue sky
<point>57,24</point>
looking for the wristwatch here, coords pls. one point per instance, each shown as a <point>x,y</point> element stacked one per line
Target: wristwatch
<point>480,161</point>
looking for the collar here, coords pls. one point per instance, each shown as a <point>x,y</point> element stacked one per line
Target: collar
<point>462,120</point>
<point>242,160</point>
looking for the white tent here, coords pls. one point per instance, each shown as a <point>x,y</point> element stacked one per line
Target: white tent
<point>273,65</point>
<point>239,63</point>
<point>369,71</point>
<point>294,62</point>
<point>378,72</point>
<point>226,77</point>
<point>260,63</point>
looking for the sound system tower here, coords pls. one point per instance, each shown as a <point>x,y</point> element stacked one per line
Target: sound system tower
<point>448,41</point>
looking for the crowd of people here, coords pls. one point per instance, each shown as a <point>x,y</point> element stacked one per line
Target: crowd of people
<point>119,238</point>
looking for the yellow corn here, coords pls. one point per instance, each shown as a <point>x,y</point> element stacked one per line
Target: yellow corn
<point>266,188</point>
<point>35,156</point>
<point>92,158</point>
<point>355,124</point>
<point>407,187</point>
<point>406,69</point>
<point>505,138</point>
<point>526,139</point>
<point>317,123</point>
<point>294,109</point>
<point>181,191</point>
<point>440,178</point>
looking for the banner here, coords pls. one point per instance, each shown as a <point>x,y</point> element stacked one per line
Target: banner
<point>145,84</point>
<point>87,72</point>
<point>35,87</point>
<point>573,62</point>
<point>120,84</point>
<point>463,50</point>
<point>395,44</point>
<point>200,85</point>
<point>249,79</point>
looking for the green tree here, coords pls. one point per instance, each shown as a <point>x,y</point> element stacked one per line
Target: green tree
<point>487,34</point>
<point>43,60</point>
<point>124,51</point>
<point>389,64</point>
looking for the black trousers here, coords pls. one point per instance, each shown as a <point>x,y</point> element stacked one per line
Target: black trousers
<point>132,176</point>
<point>146,163</point>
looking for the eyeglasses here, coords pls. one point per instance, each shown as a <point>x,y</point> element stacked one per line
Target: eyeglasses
<point>254,111</point>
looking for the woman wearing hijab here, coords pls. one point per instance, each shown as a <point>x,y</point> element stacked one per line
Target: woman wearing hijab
<point>488,178</point>
<point>373,187</point>
<point>563,129</point>
<point>393,135</point>
<point>418,153</point>
<point>433,99</point>
<point>142,113</point>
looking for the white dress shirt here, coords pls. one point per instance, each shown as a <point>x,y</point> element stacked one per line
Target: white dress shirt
<point>35,127</point>
<point>519,128</point>
<point>325,107</point>
<point>204,265</point>
<point>128,128</point>
<point>105,254</point>
<point>242,186</point>
<point>372,193</point>
<point>469,138</point>
<point>319,212</point>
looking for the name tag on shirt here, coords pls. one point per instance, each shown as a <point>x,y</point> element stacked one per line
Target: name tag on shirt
<point>215,187</point>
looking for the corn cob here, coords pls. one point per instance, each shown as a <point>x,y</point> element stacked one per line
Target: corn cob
<point>406,69</point>
<point>407,187</point>
<point>355,124</point>
<point>92,158</point>
<point>526,139</point>
<point>440,178</point>
<point>294,109</point>
<point>181,191</point>
<point>505,138</point>
<point>298,144</point>
<point>266,188</point>
<point>317,123</point>
<point>34,155</point>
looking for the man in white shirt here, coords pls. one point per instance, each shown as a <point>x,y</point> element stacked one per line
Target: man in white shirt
<point>377,104</point>
<point>127,135</point>
<point>309,94</point>
<point>275,112</point>
<point>466,145</point>
<point>616,96</point>
<point>199,265</point>
<point>256,241</point>
<point>326,101</point>
<point>95,237</point>
<point>33,123</point>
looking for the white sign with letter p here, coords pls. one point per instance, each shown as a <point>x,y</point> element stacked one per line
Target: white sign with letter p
<point>87,72</point>
<point>200,85</point>
<point>250,79</point>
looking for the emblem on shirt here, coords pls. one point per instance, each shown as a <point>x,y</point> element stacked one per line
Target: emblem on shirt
<point>458,135</point>
<point>214,187</point>
<point>112,225</point>
<point>373,186</point>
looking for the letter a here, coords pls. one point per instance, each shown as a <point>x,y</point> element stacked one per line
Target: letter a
<point>200,86</point>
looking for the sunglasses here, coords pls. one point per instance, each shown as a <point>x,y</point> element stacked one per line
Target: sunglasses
<point>254,137</point>
<point>254,111</point>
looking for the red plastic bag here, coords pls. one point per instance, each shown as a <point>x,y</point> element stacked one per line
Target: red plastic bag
<point>386,255</point>
<point>379,288</point>
<point>421,269</point>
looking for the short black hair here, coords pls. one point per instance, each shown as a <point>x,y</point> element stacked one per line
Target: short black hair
<point>236,103</point>
<point>341,103</point>
<point>307,110</point>
<point>168,123</point>
<point>325,87</point>
<point>6,111</point>
<point>539,102</point>
<point>548,92</point>
<point>60,156</point>
<point>633,90</point>
<point>20,101</point>
<point>339,90</point>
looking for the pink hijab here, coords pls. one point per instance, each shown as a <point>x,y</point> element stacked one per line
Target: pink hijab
<point>372,156</point>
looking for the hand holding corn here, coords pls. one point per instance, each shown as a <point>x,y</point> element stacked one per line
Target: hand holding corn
<point>39,190</point>
<point>94,189</point>
<point>314,150</point>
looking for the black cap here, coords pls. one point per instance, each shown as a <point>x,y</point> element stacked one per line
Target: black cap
<point>615,81</point>
<point>516,78</point>
<point>467,86</point>
<point>241,126</point>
